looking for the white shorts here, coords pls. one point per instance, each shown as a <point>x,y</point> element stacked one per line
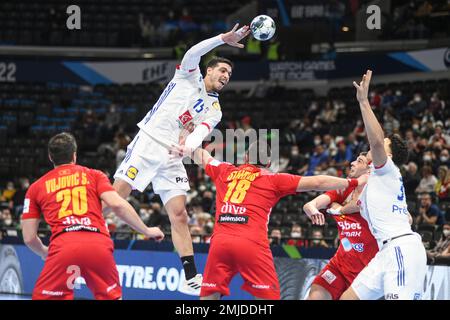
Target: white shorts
<point>147,161</point>
<point>396,272</point>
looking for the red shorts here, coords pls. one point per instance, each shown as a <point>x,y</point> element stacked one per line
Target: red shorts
<point>85,254</point>
<point>334,279</point>
<point>229,255</point>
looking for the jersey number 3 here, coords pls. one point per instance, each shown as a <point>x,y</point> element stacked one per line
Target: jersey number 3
<point>237,191</point>
<point>77,196</point>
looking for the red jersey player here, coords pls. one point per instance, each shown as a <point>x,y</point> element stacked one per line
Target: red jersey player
<point>239,244</point>
<point>358,246</point>
<point>69,197</point>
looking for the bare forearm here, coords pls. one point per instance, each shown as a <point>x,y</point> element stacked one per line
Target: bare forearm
<point>322,183</point>
<point>126,213</point>
<point>201,157</point>
<point>375,133</point>
<point>350,207</point>
<point>36,245</point>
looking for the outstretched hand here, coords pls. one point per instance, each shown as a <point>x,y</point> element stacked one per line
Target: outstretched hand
<point>233,37</point>
<point>362,90</point>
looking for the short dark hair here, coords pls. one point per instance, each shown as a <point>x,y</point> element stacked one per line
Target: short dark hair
<point>252,149</point>
<point>364,154</point>
<point>61,148</point>
<point>399,149</point>
<point>216,60</point>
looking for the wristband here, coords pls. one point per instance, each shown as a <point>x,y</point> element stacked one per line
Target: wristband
<point>352,183</point>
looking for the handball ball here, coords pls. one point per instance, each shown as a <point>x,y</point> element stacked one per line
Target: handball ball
<point>262,27</point>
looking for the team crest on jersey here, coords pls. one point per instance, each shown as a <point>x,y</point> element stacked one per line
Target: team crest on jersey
<point>132,172</point>
<point>185,118</point>
<point>216,105</point>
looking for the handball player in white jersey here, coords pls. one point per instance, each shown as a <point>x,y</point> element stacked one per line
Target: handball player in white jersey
<point>188,104</point>
<point>398,270</point>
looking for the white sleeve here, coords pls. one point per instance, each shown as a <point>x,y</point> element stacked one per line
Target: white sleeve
<point>192,57</point>
<point>388,167</point>
<point>196,137</point>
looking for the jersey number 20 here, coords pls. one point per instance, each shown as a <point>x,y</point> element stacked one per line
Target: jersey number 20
<point>77,196</point>
<point>237,191</point>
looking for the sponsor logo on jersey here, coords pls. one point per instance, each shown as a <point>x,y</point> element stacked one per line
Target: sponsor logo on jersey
<point>349,226</point>
<point>260,286</point>
<point>132,172</point>
<point>329,276</point>
<point>216,105</point>
<point>391,296</point>
<point>80,228</point>
<point>358,247</point>
<point>231,218</point>
<point>209,285</point>
<point>417,296</point>
<point>181,179</point>
<point>232,208</point>
<point>52,293</point>
<point>185,117</point>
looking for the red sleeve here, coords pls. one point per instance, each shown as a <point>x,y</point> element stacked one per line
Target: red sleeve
<point>333,195</point>
<point>31,208</point>
<point>285,183</point>
<point>102,182</point>
<point>214,168</point>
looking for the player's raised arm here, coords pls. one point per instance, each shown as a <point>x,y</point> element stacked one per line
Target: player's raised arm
<point>325,183</point>
<point>375,133</point>
<point>192,57</point>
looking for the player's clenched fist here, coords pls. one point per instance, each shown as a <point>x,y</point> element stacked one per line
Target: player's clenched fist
<point>154,233</point>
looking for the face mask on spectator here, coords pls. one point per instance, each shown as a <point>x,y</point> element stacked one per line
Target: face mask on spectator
<point>446,232</point>
<point>444,158</point>
<point>8,222</point>
<point>317,141</point>
<point>296,234</point>
<point>294,152</point>
<point>417,98</point>
<point>398,93</point>
<point>427,157</point>
<point>415,126</point>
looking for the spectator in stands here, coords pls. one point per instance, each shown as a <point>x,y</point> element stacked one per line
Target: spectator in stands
<point>319,158</point>
<point>444,159</point>
<point>275,237</point>
<point>148,30</point>
<point>19,196</point>
<point>7,220</point>
<point>428,180</point>
<point>8,193</point>
<point>156,218</point>
<point>317,239</point>
<point>328,114</point>
<point>121,141</point>
<point>343,156</point>
<point>440,137</point>
<point>429,213</point>
<point>296,237</point>
<point>411,180</point>
<point>440,254</point>
<point>442,188</point>
<point>391,124</point>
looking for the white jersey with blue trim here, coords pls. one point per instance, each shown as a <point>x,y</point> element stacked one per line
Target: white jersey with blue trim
<point>383,202</point>
<point>183,101</point>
